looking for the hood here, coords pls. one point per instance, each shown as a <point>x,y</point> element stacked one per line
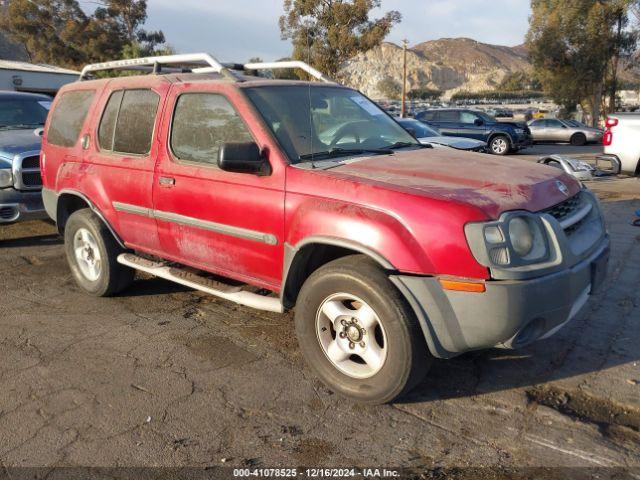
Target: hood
<point>455,142</point>
<point>492,184</point>
<point>13,142</point>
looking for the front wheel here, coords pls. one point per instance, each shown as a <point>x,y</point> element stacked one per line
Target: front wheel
<point>499,145</point>
<point>358,333</point>
<point>578,140</point>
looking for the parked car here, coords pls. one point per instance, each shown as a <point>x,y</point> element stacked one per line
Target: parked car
<point>621,142</point>
<point>501,138</point>
<point>561,131</point>
<point>391,253</point>
<point>21,115</point>
<point>429,136</point>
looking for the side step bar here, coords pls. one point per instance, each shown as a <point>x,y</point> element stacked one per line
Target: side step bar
<point>192,280</point>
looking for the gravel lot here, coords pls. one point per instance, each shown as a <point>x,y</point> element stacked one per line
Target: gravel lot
<point>164,376</point>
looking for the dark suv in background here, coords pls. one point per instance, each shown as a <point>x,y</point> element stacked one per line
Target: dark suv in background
<point>501,137</point>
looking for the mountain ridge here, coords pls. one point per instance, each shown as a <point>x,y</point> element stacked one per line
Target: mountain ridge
<point>446,64</point>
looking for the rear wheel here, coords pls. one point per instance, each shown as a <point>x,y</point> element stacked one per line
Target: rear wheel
<point>92,254</point>
<point>499,145</point>
<point>358,333</point>
<point>578,139</point>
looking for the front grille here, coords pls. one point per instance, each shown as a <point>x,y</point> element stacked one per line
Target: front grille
<point>27,171</point>
<point>7,213</point>
<point>31,162</point>
<point>32,179</point>
<point>565,209</point>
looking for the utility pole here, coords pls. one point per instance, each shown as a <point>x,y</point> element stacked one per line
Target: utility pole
<point>405,44</point>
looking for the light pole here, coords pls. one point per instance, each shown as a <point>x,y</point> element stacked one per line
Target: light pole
<point>405,44</point>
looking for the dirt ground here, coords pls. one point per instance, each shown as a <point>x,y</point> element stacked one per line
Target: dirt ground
<point>162,376</point>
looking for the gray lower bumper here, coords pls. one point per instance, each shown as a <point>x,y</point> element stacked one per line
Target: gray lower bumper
<point>16,206</point>
<point>510,314</point>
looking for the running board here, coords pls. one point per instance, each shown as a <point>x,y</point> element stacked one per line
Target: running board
<point>184,277</point>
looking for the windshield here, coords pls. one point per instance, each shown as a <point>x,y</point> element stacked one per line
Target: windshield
<point>419,129</point>
<point>23,113</point>
<point>311,121</point>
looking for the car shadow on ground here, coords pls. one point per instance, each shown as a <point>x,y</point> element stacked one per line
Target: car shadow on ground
<point>33,241</point>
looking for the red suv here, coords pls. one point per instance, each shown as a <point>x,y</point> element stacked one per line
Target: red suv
<point>281,194</point>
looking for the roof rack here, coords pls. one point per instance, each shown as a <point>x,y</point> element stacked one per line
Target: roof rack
<point>196,63</point>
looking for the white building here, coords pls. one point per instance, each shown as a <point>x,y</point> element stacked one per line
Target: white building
<point>28,77</point>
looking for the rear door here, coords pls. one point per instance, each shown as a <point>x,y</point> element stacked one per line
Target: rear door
<point>227,223</point>
<point>121,161</point>
<point>537,128</point>
<point>448,122</point>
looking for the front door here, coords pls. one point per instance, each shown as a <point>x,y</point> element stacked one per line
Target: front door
<point>472,126</point>
<point>227,223</point>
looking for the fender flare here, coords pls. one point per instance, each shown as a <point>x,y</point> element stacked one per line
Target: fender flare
<point>94,209</point>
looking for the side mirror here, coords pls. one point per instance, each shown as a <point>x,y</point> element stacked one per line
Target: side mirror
<point>243,158</point>
<point>478,122</point>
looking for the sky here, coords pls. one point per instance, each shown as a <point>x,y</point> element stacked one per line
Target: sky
<point>236,30</point>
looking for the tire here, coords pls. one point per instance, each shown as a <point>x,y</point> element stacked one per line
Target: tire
<point>92,254</point>
<point>578,139</point>
<point>392,336</point>
<point>500,145</point>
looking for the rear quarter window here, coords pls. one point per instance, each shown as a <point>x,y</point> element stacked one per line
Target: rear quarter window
<point>68,117</point>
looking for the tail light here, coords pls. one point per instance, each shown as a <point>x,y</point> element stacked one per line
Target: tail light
<point>607,139</point>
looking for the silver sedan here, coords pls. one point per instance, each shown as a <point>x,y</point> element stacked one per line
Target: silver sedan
<point>555,130</point>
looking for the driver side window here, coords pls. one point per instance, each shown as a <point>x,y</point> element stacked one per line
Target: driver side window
<point>202,122</point>
<point>468,117</point>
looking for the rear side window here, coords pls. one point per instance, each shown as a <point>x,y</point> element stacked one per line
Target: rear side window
<point>427,116</point>
<point>202,122</point>
<point>448,116</point>
<point>68,117</point>
<point>128,121</point>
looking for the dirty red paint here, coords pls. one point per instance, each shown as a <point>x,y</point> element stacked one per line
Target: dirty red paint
<point>410,208</point>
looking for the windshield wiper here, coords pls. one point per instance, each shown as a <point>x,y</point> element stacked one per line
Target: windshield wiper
<point>399,145</point>
<point>343,152</point>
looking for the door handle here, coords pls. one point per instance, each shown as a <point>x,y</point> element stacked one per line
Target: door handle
<point>167,181</point>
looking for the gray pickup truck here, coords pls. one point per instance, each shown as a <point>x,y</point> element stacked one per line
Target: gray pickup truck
<point>21,117</point>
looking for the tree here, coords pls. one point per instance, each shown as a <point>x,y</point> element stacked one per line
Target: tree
<point>573,45</point>
<point>424,94</point>
<point>518,81</point>
<point>49,30</point>
<point>61,33</point>
<point>326,33</point>
<point>389,88</point>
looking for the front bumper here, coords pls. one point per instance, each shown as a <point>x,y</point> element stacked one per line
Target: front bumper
<point>17,206</point>
<point>510,314</point>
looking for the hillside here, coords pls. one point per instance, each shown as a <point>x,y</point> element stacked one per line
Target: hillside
<point>11,51</point>
<point>448,64</point>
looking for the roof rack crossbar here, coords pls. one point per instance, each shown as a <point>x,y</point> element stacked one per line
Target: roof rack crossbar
<point>201,62</point>
<point>288,65</point>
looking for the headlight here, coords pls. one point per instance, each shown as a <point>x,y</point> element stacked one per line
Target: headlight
<point>6,178</point>
<point>517,240</point>
<point>521,236</point>
<point>519,131</point>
